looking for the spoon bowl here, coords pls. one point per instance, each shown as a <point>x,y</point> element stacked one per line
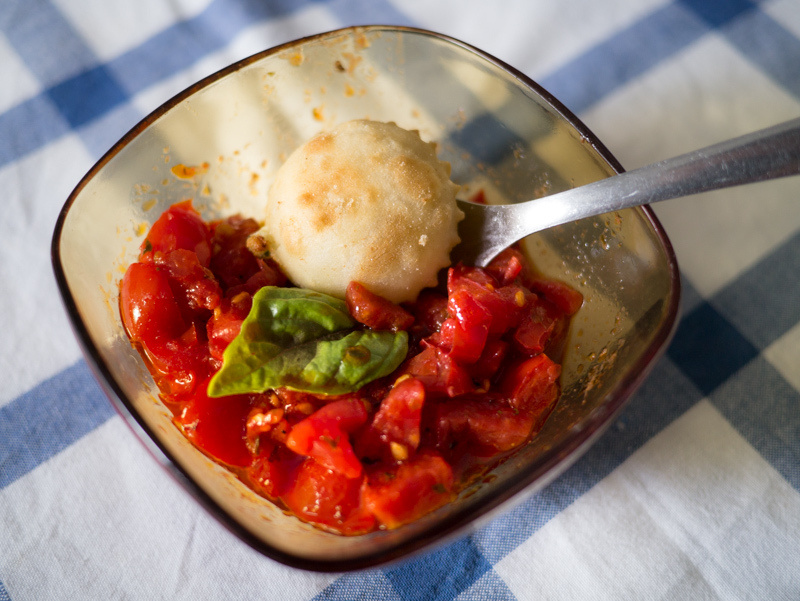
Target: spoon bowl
<point>763,155</point>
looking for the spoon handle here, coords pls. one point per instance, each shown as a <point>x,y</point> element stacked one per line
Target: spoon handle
<point>766,154</point>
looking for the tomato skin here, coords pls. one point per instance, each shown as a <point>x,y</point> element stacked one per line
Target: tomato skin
<point>401,493</point>
<point>532,386</point>
<point>323,435</point>
<point>443,339</point>
<point>374,311</point>
<point>461,275</point>
<point>149,310</point>
<point>179,227</point>
<point>152,317</point>
<point>217,425</point>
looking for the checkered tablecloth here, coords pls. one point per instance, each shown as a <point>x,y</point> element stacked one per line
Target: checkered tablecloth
<point>694,493</point>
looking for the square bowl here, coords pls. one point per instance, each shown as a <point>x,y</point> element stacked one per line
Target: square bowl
<point>220,143</point>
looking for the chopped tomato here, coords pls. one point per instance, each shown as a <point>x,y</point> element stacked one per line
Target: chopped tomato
<point>430,310</point>
<point>148,306</point>
<point>492,357</point>
<point>323,435</point>
<point>532,386</point>
<point>226,322</point>
<point>457,275</point>
<point>194,286</point>
<point>478,380</point>
<point>486,427</point>
<point>274,468</point>
<point>562,296</point>
<point>394,432</point>
<point>180,365</point>
<point>506,266</point>
<point>544,321</point>
<point>404,492</point>
<point>443,339</point>
<point>479,197</point>
<point>267,275</point>
<point>439,373</point>
<point>232,263</point>
<point>179,227</point>
<point>471,328</point>
<point>374,311</point>
<point>328,498</point>
<point>217,425</point>
<point>506,305</point>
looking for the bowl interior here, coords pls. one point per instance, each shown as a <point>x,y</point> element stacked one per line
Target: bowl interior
<point>221,142</point>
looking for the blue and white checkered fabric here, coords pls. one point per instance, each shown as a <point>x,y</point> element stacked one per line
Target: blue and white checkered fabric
<point>693,494</point>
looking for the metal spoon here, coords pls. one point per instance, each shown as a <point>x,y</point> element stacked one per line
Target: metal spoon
<point>766,154</point>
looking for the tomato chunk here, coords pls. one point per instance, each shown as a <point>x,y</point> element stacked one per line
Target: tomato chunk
<point>194,286</point>
<point>181,365</point>
<point>217,425</point>
<point>148,306</point>
<point>507,266</point>
<point>439,373</point>
<point>328,498</point>
<point>374,311</point>
<point>506,305</point>
<point>179,227</point>
<point>231,262</point>
<point>394,432</point>
<point>323,435</point>
<point>485,427</point>
<point>544,322</point>
<point>404,492</point>
<point>478,381</point>
<point>532,386</point>
<point>562,296</point>
<point>273,470</point>
<point>226,322</point>
<point>471,328</point>
<point>430,310</point>
<point>488,364</point>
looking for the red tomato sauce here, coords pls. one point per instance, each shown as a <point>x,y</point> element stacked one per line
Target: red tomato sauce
<point>477,383</point>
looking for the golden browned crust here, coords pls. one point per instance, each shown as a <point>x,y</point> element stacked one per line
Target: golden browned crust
<point>368,201</point>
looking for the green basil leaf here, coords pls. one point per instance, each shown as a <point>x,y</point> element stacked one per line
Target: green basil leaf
<point>306,341</point>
